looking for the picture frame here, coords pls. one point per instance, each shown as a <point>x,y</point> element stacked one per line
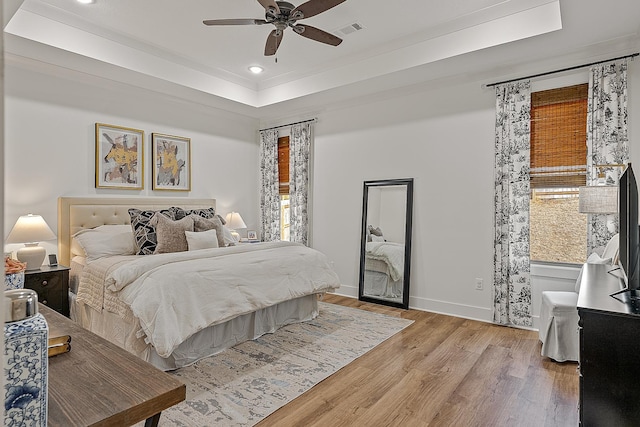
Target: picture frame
<point>119,157</point>
<point>252,235</point>
<point>171,156</point>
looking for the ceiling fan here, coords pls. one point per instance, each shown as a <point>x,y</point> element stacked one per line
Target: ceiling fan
<point>283,14</point>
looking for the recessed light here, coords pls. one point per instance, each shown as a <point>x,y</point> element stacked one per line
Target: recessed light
<point>85,1</point>
<point>256,69</point>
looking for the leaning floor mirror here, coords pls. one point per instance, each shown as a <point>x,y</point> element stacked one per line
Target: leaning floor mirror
<point>385,252</point>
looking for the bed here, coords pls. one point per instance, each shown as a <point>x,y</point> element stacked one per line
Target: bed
<point>383,265</point>
<point>384,269</point>
<point>176,307</point>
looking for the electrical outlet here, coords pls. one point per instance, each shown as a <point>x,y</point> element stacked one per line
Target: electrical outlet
<point>479,284</point>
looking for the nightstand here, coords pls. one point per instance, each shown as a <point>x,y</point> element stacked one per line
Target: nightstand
<point>52,286</point>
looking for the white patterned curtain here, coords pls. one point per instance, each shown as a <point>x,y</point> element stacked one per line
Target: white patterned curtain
<point>607,140</point>
<point>512,287</point>
<point>270,186</point>
<point>299,163</point>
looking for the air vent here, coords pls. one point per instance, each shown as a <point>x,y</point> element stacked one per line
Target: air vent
<point>351,28</point>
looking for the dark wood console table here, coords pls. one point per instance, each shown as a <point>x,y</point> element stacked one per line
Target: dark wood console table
<point>609,352</point>
<point>99,384</point>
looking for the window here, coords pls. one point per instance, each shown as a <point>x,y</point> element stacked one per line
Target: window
<point>283,172</point>
<point>558,232</point>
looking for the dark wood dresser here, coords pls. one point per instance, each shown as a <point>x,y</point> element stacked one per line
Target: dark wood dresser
<point>609,352</point>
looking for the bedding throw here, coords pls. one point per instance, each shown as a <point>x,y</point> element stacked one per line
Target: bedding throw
<point>390,253</point>
<point>178,294</point>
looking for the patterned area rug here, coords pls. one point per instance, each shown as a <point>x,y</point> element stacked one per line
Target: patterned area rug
<point>244,384</point>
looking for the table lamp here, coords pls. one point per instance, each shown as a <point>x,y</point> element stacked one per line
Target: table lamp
<point>30,230</point>
<point>234,221</point>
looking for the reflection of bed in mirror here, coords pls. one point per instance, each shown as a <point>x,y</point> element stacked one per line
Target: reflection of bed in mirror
<point>384,270</point>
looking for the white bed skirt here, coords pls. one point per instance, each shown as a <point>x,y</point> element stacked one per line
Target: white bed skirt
<point>207,342</point>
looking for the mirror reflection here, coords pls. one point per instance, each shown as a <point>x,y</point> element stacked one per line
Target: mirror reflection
<point>386,237</point>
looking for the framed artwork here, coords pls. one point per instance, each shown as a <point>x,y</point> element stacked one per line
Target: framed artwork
<point>119,157</point>
<point>171,162</point>
<point>252,235</point>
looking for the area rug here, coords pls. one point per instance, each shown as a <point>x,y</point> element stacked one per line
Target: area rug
<point>244,384</point>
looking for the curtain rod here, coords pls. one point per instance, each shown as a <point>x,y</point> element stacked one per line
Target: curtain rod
<point>315,119</point>
<point>562,70</point>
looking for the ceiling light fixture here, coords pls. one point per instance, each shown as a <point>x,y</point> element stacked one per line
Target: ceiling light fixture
<point>86,1</point>
<point>256,69</point>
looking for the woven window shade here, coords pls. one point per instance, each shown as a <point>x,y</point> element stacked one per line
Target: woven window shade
<point>283,164</point>
<point>558,137</point>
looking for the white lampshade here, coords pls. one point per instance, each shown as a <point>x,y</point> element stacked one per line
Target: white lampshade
<point>30,230</point>
<point>598,199</point>
<point>234,221</point>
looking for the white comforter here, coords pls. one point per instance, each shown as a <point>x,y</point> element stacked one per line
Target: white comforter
<point>176,295</point>
<point>391,253</point>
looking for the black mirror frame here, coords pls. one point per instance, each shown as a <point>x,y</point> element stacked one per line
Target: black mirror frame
<point>408,182</point>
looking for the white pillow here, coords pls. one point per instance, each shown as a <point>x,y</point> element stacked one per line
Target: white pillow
<point>229,240</point>
<point>105,241</point>
<point>375,238</point>
<point>202,239</point>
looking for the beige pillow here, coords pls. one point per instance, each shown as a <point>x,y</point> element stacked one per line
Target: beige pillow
<point>204,224</point>
<point>202,239</point>
<point>170,234</point>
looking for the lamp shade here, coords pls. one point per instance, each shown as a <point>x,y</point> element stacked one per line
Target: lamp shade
<point>234,221</point>
<point>30,229</point>
<point>598,199</point>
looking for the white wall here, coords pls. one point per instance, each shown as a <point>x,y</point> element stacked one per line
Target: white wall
<point>50,148</point>
<point>443,138</point>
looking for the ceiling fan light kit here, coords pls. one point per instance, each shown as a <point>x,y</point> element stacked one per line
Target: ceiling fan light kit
<point>283,14</point>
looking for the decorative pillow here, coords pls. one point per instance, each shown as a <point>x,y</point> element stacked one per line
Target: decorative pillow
<point>375,231</point>
<point>170,235</point>
<point>96,243</point>
<point>375,238</point>
<point>202,239</point>
<point>229,240</point>
<point>204,213</point>
<point>143,232</point>
<point>204,224</point>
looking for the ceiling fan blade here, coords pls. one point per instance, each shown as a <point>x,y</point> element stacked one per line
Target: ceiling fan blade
<point>313,7</point>
<point>273,42</point>
<point>316,34</point>
<point>270,5</point>
<point>234,22</point>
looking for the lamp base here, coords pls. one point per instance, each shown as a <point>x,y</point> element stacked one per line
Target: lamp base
<point>32,254</point>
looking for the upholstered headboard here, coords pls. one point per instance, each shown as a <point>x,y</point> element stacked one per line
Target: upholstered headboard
<point>79,213</point>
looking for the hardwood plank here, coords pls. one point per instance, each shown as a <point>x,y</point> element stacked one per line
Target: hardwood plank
<point>441,371</point>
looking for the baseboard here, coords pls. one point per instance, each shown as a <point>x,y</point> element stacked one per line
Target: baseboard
<point>481,314</point>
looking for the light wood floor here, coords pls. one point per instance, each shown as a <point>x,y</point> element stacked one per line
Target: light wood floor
<point>441,371</point>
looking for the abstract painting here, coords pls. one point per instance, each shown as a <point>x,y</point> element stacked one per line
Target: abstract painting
<point>119,157</point>
<point>171,162</point>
